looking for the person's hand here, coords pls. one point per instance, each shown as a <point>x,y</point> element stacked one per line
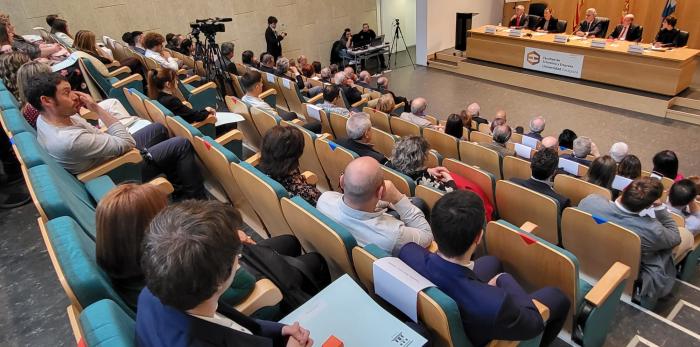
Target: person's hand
<point>165,54</point>
<point>580,33</point>
<point>298,334</point>
<point>440,173</point>
<point>294,70</point>
<point>284,34</point>
<point>211,110</point>
<point>594,150</point>
<point>514,16</point>
<point>292,342</point>
<point>87,102</point>
<point>657,203</point>
<point>245,239</point>
<point>494,281</point>
<point>657,44</point>
<point>391,194</point>
<point>6,49</point>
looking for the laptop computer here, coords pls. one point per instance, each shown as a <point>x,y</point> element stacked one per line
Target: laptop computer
<point>378,41</point>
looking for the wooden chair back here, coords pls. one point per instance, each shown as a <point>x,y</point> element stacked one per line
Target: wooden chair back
<point>485,180</point>
<point>250,131</point>
<point>577,189</point>
<point>333,159</point>
<point>309,159</point>
<point>237,87</point>
<point>433,120</point>
<point>379,119</point>
<point>270,82</point>
<point>518,205</point>
<point>263,120</point>
<point>598,244</point>
<point>326,127</point>
<point>485,128</point>
<point>290,92</point>
<point>429,195</point>
<point>339,125</point>
<point>136,104</point>
<point>514,167</point>
<point>445,144</point>
<point>479,137</point>
<point>403,183</point>
<point>383,142</point>
<point>155,113</point>
<point>475,155</point>
<point>401,127</point>
<point>517,138</point>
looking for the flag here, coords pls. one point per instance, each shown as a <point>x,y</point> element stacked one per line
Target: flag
<point>579,12</point>
<point>669,8</point>
<point>625,10</point>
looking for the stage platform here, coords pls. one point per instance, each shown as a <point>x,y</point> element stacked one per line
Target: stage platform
<point>683,107</point>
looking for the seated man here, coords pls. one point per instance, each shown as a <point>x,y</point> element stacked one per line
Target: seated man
<point>362,209</point>
<point>227,52</point>
<point>659,235</point>
<point>492,304</point>
<point>190,259</point>
<point>383,87</point>
<point>417,114</point>
<point>267,63</point>
<point>79,146</point>
<point>135,41</point>
<point>618,151</point>
<point>248,59</point>
<point>544,165</point>
<point>590,26</point>
<point>154,50</point>
<point>549,142</point>
<point>537,126</point>
<point>627,31</point>
<point>583,146</point>
<point>501,114</point>
<point>681,200</point>
<point>501,135</point>
<point>520,19</point>
<point>251,82</point>
<point>359,140</point>
<point>346,84</point>
<point>364,38</point>
<point>325,75</point>
<point>330,93</point>
<point>365,80</point>
<point>474,110</point>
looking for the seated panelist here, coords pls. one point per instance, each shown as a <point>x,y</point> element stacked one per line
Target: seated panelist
<point>627,31</point>
<point>519,19</point>
<point>590,26</point>
<point>668,35</point>
<point>548,23</point>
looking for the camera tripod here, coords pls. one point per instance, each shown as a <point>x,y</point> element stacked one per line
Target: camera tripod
<point>393,49</point>
<point>213,62</point>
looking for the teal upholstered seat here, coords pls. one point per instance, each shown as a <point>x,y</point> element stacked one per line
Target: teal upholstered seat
<point>15,121</point>
<point>105,324</point>
<point>409,182</point>
<point>8,100</point>
<point>205,98</point>
<point>206,129</point>
<point>105,85</point>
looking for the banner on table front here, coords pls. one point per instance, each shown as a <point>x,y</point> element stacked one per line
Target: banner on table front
<point>553,62</point>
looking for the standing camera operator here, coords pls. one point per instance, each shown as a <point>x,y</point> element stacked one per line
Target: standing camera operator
<point>273,38</point>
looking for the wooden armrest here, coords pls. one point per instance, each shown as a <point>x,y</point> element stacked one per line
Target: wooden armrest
<point>114,63</point>
<point>182,72</point>
<point>254,159</point>
<point>503,343</point>
<point>193,78</point>
<point>187,103</point>
<point>399,105</point>
<point>229,136</point>
<point>315,99</point>
<point>209,120</point>
<point>617,273</point>
<point>529,227</point>
<point>163,185</point>
<point>544,310</point>
<point>310,177</point>
<point>73,319</point>
<point>133,156</point>
<point>267,93</point>
<point>326,136</point>
<point>119,71</point>
<point>297,121</point>
<point>203,87</point>
<point>123,82</point>
<point>265,294</point>
<point>433,247</point>
<point>362,101</point>
<point>87,114</point>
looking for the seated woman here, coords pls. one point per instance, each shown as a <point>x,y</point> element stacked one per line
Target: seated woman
<point>10,64</point>
<point>666,165</point>
<point>602,172</point>
<point>85,42</point>
<point>454,126</point>
<point>629,167</point>
<point>8,37</point>
<point>668,35</point>
<point>186,47</point>
<point>409,157</point>
<point>282,146</point>
<point>59,27</point>
<point>548,23</point>
<point>386,104</point>
<point>162,86</point>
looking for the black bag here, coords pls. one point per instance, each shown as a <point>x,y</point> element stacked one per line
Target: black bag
<point>296,282</point>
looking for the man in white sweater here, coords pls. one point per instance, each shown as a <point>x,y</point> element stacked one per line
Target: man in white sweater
<point>79,146</point>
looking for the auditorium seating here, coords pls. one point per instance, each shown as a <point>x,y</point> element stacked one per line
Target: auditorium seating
<point>514,167</point>
<point>379,119</point>
<point>576,189</point>
<point>263,120</point>
<point>429,194</point>
<point>339,125</point>
<point>482,157</point>
<point>251,134</point>
<point>323,118</point>
<point>295,100</point>
<point>103,84</point>
<point>401,127</point>
<point>383,142</point>
<point>403,183</point>
<point>518,205</point>
<point>135,99</point>
<point>160,114</point>
<point>197,97</point>
<point>482,178</point>
<point>445,144</point>
<point>334,159</point>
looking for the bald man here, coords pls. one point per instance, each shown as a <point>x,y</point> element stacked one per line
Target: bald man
<point>627,31</point>
<point>362,209</point>
<point>474,110</point>
<point>549,142</point>
<point>417,114</point>
<point>537,125</point>
<point>501,114</point>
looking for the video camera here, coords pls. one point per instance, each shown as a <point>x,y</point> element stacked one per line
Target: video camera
<point>209,26</point>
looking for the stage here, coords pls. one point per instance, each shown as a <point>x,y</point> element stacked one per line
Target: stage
<point>684,106</point>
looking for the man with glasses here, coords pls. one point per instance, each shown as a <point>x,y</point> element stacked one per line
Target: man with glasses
<point>591,26</point>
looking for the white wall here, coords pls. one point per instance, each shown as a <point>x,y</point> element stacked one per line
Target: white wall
<point>405,11</point>
<point>438,19</point>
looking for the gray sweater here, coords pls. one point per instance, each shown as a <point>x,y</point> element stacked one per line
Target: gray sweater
<point>658,235</point>
<point>81,146</point>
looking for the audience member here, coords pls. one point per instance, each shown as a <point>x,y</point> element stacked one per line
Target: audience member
<point>267,63</point>
<point>317,67</point>
<point>544,165</point>
<point>501,114</point>
<point>162,86</point>
<point>9,65</point>
<point>59,27</point>
<point>173,41</point>
<point>417,114</point>
<point>359,140</point>
<point>454,126</point>
<point>383,87</point>
<point>537,126</point>
<point>386,104</point>
<point>227,52</point>
<point>350,73</point>
<point>248,59</point>
<point>302,60</point>
<point>361,208</point>
<point>135,41</point>
<point>696,181</point>
<point>153,42</point>
<point>85,42</point>
<point>666,165</point>
<point>660,236</point>
<point>190,258</point>
<point>602,172</point>
<point>281,148</point>
<point>365,80</point>
<point>345,83</point>
<point>582,148</point>
<point>549,142</point>
<point>79,146</point>
<point>492,304</point>
<point>681,200</point>
<point>282,68</point>
<point>618,151</point>
<point>330,93</point>
<point>24,73</point>
<point>333,68</point>
<point>8,36</point>
<point>519,130</point>
<point>566,139</point>
<point>325,75</point>
<point>501,135</point>
<point>496,122</point>
<point>630,167</point>
<point>474,111</point>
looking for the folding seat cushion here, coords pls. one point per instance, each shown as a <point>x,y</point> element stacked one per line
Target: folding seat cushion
<point>207,129</point>
<point>8,100</point>
<point>110,87</point>
<point>104,323</point>
<point>15,123</point>
<point>199,97</point>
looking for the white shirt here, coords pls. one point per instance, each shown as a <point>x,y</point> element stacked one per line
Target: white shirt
<point>224,321</point>
<point>170,63</point>
<point>258,103</point>
<point>623,33</point>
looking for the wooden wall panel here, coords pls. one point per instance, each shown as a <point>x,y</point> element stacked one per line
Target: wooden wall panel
<point>647,14</point>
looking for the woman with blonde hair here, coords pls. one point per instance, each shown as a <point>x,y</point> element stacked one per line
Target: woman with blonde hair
<point>386,104</point>
<point>85,42</point>
<point>24,72</point>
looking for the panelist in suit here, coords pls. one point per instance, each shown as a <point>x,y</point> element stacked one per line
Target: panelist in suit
<point>519,19</point>
<point>492,304</point>
<point>273,38</point>
<point>547,24</point>
<point>190,256</point>
<point>668,35</point>
<point>590,26</point>
<point>627,31</point>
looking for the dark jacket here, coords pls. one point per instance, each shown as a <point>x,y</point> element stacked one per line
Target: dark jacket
<point>543,188</point>
<point>274,43</point>
<point>634,33</point>
<point>175,106</point>
<point>267,69</point>
<point>551,27</point>
<point>503,312</point>
<point>353,95</point>
<point>159,325</point>
<point>363,38</point>
<point>669,38</point>
<point>299,80</point>
<point>362,149</point>
<point>524,21</point>
<point>593,29</point>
